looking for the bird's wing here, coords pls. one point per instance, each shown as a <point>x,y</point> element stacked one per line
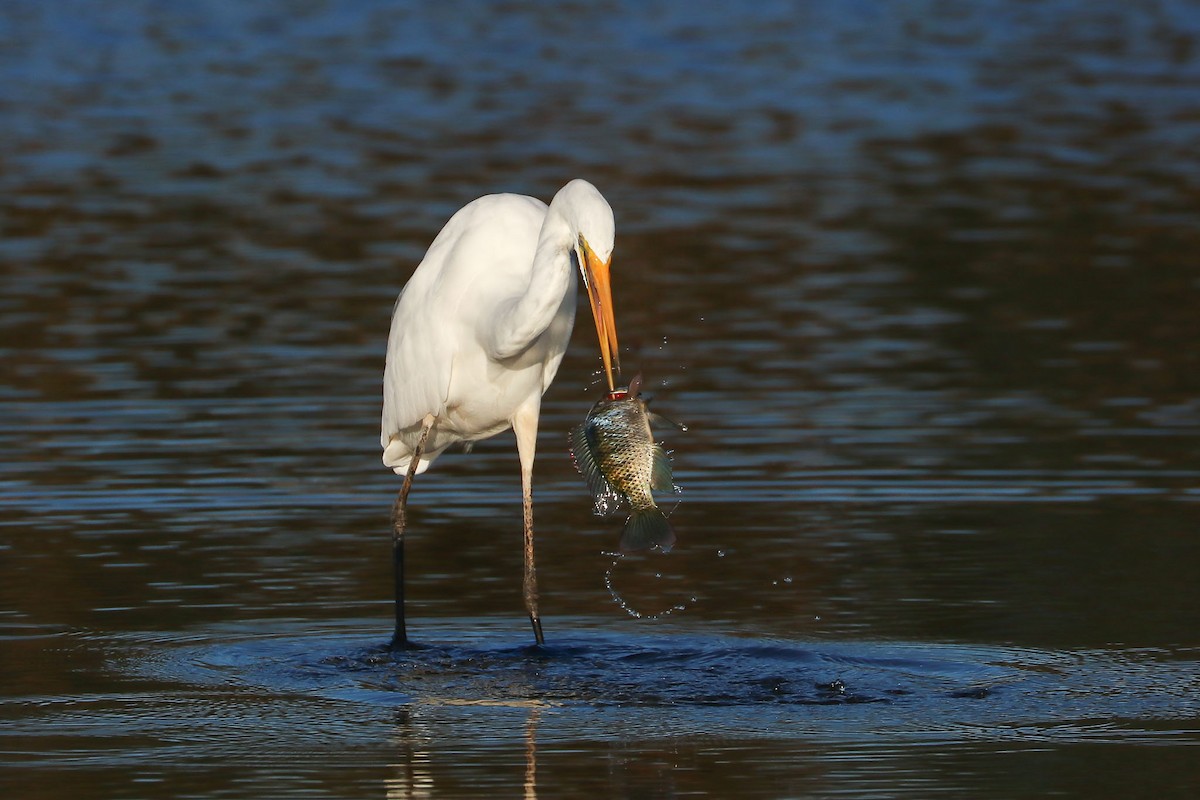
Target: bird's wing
<point>458,286</point>
<point>419,365</point>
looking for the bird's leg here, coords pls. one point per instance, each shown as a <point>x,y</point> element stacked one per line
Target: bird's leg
<point>525,427</point>
<point>530,585</point>
<point>399,518</point>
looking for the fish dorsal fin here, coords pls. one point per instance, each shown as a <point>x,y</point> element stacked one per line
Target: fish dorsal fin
<point>635,385</point>
<point>607,500</point>
<point>661,479</point>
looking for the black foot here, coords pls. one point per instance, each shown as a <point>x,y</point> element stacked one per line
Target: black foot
<point>400,644</point>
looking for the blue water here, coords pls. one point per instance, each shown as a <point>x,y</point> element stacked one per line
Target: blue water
<point>919,278</point>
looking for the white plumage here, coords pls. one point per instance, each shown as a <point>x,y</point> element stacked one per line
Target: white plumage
<point>479,331</point>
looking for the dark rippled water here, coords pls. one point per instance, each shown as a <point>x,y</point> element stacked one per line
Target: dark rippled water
<point>921,278</point>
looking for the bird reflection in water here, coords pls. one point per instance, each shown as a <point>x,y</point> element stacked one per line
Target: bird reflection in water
<point>413,777</point>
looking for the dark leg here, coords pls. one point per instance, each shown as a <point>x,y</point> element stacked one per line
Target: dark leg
<point>399,515</point>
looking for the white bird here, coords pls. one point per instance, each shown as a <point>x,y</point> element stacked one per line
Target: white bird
<point>477,336</point>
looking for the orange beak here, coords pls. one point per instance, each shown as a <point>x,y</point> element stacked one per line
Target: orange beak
<point>599,289</point>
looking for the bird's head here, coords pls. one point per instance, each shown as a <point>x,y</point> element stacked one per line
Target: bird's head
<point>590,219</point>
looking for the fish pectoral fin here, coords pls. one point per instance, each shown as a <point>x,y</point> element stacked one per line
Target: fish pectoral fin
<point>661,478</point>
<point>656,417</point>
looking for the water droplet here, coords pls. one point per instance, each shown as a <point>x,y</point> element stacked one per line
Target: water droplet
<point>628,609</point>
<point>787,580</point>
<point>720,554</point>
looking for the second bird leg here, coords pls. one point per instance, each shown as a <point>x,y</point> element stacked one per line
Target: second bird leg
<point>399,519</point>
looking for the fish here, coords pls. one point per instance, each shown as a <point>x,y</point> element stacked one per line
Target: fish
<point>615,451</point>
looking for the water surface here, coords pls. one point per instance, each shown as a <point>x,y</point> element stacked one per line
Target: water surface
<point>920,279</point>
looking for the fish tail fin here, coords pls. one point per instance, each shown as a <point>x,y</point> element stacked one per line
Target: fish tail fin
<point>647,528</point>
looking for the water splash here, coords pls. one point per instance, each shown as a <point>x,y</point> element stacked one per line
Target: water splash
<point>629,609</point>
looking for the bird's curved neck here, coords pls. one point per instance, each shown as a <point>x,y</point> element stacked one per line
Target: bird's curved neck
<point>555,243</point>
<point>551,281</point>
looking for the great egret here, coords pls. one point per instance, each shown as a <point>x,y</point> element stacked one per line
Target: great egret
<point>478,334</point>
